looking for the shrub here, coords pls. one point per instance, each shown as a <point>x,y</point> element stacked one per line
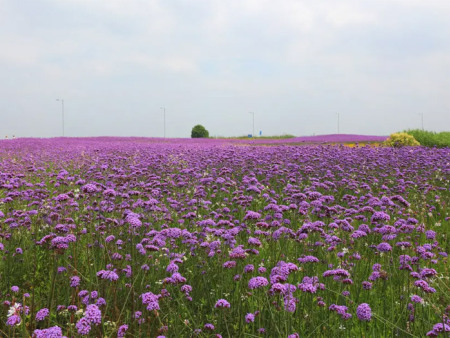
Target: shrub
<point>401,140</point>
<point>199,131</point>
<point>431,139</point>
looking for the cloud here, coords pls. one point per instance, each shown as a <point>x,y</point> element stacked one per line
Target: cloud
<point>215,60</point>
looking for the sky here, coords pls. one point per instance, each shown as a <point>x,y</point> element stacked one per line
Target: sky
<point>293,65</point>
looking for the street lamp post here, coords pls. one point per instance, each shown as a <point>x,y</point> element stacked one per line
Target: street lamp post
<point>62,110</point>
<point>253,131</point>
<point>164,113</point>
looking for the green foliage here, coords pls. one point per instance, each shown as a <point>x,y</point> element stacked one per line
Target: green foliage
<point>401,140</point>
<point>199,132</point>
<point>431,139</point>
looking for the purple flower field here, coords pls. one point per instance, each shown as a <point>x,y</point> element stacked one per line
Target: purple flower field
<point>136,237</point>
<point>333,138</point>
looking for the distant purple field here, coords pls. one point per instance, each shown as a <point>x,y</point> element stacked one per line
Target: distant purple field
<point>333,138</point>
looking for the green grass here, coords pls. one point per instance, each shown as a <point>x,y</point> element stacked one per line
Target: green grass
<point>431,139</point>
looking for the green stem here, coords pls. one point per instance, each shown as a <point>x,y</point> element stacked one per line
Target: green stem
<point>52,290</point>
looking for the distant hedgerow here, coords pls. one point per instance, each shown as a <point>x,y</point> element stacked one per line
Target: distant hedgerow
<point>431,139</point>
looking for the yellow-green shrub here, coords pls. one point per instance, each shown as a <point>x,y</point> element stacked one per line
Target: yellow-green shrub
<point>401,140</point>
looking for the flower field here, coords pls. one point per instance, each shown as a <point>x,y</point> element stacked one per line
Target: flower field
<point>122,237</point>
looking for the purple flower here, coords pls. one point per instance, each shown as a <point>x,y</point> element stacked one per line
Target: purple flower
<point>172,267</point>
<point>347,316</point>
<point>83,293</point>
<point>238,252</point>
<point>366,285</point>
<point>252,215</point>
<point>42,314</point>
<point>257,282</point>
<point>61,269</point>
<point>15,289</point>
<point>308,259</point>
<point>134,221</point>
<point>176,278</point>
<point>290,303</point>
<point>89,188</point>
<point>254,241</point>
<point>51,332</point>
<point>384,247</point>
<point>229,264</point>
<point>151,300</point>
<point>108,274</point>
<point>337,272</point>
<point>72,308</point>
<point>358,234</point>
<point>100,302</point>
<point>307,287</point>
<point>376,267</point>
<point>209,326</point>
<point>83,326</point>
<point>13,320</point>
<point>249,318</point>
<point>121,332</point>
<point>341,309</point>
<point>440,327</point>
<point>74,281</point>
<point>93,314</point>
<point>416,299</point>
<point>186,288</point>
<point>421,284</point>
<point>222,303</point>
<point>426,272</point>
<point>380,216</point>
<point>364,312</point>
<point>62,242</point>
<point>249,268</point>
<point>430,234</point>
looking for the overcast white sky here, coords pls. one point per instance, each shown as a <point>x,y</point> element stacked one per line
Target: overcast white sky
<point>294,63</point>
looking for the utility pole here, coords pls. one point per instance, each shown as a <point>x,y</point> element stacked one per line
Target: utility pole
<point>253,130</point>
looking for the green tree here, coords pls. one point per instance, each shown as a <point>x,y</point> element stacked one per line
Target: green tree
<point>199,131</point>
